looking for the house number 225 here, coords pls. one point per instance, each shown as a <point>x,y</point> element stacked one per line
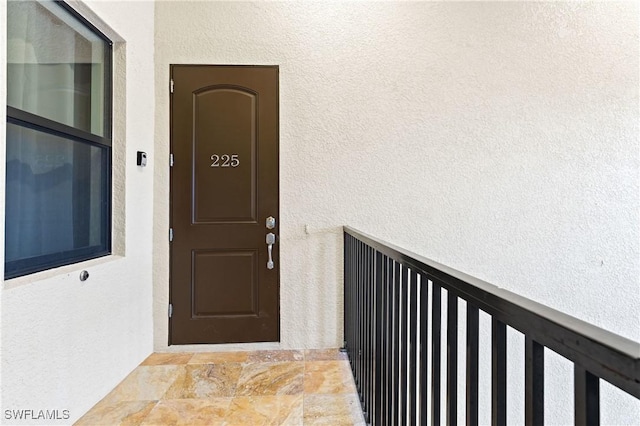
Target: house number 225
<point>225,160</point>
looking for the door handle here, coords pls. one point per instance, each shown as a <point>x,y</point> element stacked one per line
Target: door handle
<point>271,240</point>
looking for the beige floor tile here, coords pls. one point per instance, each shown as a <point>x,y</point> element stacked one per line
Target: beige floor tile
<point>189,412</point>
<point>219,357</point>
<point>126,413</point>
<point>205,381</point>
<point>332,377</point>
<point>275,356</point>
<point>265,410</point>
<point>145,383</point>
<point>334,410</point>
<point>167,359</point>
<point>324,355</point>
<point>312,387</point>
<point>278,378</point>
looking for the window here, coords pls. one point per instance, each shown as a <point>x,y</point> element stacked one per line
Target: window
<point>58,151</point>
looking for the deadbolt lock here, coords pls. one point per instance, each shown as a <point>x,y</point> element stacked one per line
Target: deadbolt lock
<point>271,222</point>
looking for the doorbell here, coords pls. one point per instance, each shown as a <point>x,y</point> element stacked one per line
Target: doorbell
<point>142,159</point>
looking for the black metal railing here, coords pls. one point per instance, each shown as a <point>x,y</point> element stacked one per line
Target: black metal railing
<point>387,325</point>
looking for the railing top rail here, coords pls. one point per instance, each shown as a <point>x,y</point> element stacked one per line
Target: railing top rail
<point>606,354</point>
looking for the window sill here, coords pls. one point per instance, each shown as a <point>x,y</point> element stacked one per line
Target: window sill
<point>62,272</point>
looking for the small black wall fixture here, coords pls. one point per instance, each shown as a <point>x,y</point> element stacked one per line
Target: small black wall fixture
<point>142,159</point>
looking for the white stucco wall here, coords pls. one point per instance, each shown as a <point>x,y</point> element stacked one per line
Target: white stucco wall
<point>500,139</point>
<point>3,129</point>
<point>66,343</point>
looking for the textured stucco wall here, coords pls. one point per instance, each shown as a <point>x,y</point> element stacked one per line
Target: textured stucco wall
<point>498,138</point>
<point>3,129</point>
<point>65,343</point>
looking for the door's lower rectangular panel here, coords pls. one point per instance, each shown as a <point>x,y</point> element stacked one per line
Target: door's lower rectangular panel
<point>224,283</point>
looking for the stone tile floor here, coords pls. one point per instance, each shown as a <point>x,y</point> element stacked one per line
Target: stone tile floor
<point>312,387</point>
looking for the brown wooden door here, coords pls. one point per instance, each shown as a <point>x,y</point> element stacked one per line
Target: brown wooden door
<point>224,185</point>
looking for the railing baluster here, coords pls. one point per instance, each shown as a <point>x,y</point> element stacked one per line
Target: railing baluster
<point>587,397</point>
<point>413,343</point>
<point>534,382</point>
<point>358,331</point>
<point>498,373</point>
<point>351,345</point>
<point>364,327</point>
<point>472,364</point>
<point>389,346</point>
<point>452,358</point>
<point>424,358</point>
<point>380,342</point>
<point>385,341</point>
<point>436,329</point>
<point>353,305</point>
<point>404,343</point>
<point>370,330</point>
<point>348,279</point>
<point>354,313</point>
<point>378,315</point>
<point>396,342</point>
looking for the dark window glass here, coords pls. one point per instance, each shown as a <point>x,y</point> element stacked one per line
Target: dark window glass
<point>55,66</point>
<point>58,164</point>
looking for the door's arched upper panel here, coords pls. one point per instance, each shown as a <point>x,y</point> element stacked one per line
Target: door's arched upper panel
<point>224,155</point>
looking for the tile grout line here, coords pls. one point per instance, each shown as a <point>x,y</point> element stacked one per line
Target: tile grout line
<point>150,411</point>
<point>304,378</point>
